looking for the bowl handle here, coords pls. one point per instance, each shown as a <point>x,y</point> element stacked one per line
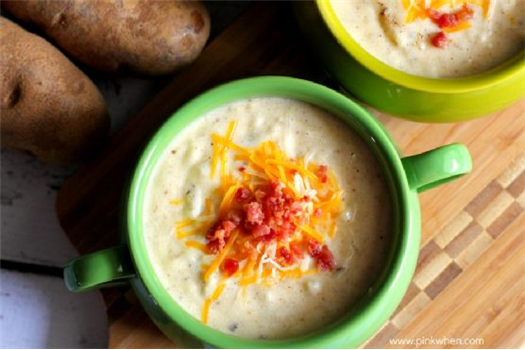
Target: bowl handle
<point>438,166</point>
<point>104,268</point>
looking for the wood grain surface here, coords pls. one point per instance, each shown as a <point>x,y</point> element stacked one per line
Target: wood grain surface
<point>470,280</point>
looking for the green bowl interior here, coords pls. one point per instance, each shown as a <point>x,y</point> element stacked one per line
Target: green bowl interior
<point>373,308</point>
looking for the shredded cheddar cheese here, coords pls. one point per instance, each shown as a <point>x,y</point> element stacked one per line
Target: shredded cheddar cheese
<point>457,28</point>
<point>312,232</point>
<point>195,244</point>
<point>207,303</point>
<point>333,227</point>
<point>184,223</point>
<point>226,203</point>
<point>419,9</point>
<point>204,224</point>
<point>447,22</point>
<point>176,201</point>
<point>272,212</point>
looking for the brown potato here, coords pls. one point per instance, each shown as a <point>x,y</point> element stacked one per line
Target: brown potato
<point>48,107</point>
<point>144,37</point>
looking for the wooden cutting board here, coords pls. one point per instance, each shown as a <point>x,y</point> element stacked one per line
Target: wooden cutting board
<point>470,281</point>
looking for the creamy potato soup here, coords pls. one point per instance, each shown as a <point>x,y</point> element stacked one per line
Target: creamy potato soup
<point>436,38</point>
<point>267,218</point>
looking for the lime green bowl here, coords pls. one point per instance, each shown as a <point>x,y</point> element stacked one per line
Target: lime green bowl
<point>401,94</point>
<point>406,176</point>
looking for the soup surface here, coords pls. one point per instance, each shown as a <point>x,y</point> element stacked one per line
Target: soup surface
<point>436,38</point>
<point>267,218</point>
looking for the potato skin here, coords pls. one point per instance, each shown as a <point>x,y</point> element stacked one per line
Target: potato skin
<point>144,37</point>
<point>48,107</point>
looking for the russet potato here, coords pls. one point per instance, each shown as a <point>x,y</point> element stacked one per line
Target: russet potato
<point>142,37</point>
<point>48,107</point>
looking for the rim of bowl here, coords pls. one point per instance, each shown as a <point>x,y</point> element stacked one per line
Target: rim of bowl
<point>506,70</point>
<point>397,271</point>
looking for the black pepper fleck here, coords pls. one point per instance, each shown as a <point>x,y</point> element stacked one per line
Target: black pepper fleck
<point>233,327</point>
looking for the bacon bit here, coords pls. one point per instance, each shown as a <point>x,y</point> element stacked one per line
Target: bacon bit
<point>214,247</point>
<point>218,235</point>
<point>323,256</point>
<point>242,194</point>
<point>285,231</point>
<point>439,40</point>
<point>314,248</point>
<point>447,20</point>
<point>443,20</point>
<point>268,237</point>
<point>318,213</point>
<point>325,260</point>
<point>296,250</point>
<point>286,256</point>
<point>322,173</point>
<point>242,169</point>
<point>254,213</point>
<point>261,231</point>
<point>230,266</point>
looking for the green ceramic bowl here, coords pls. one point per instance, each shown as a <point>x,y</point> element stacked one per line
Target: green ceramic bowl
<point>401,94</point>
<point>129,262</point>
